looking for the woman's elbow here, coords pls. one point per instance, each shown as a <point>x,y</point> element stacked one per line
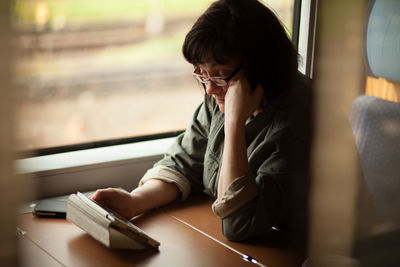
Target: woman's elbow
<point>235,229</point>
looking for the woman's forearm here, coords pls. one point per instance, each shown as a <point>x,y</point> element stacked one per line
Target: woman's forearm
<point>241,101</point>
<point>151,194</point>
<point>154,193</point>
<point>234,160</point>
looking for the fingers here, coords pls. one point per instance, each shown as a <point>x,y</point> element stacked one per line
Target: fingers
<point>102,196</point>
<point>246,93</point>
<point>118,200</point>
<point>240,82</point>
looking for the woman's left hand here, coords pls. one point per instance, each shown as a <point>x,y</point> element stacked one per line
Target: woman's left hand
<point>241,101</point>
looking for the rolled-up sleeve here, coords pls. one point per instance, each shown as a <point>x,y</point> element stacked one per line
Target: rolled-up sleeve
<point>170,176</point>
<point>239,192</point>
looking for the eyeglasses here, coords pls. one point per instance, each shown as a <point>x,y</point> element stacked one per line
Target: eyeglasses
<point>218,81</point>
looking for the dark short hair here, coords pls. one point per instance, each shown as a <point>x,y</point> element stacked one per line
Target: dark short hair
<point>250,33</point>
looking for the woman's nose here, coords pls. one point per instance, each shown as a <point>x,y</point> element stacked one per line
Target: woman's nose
<point>211,88</point>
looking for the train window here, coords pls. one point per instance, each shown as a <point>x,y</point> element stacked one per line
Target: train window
<point>105,70</point>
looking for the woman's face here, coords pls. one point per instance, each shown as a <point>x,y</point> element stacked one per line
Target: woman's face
<point>217,70</point>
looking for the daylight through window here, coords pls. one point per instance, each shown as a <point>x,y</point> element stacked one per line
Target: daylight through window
<point>99,69</point>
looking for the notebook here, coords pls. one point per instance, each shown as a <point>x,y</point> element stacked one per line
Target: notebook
<point>54,207</point>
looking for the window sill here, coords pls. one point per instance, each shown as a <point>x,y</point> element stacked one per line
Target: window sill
<point>113,166</point>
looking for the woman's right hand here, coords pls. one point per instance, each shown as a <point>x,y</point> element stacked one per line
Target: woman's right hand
<point>153,193</point>
<point>241,101</point>
<point>119,201</point>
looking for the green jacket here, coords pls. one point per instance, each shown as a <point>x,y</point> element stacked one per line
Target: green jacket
<point>253,203</point>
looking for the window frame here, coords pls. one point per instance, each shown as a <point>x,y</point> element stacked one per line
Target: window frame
<point>306,34</point>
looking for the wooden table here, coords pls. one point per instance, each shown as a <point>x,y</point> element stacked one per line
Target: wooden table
<point>189,233</point>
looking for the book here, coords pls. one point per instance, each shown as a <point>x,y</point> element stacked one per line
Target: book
<point>54,207</point>
<point>50,207</point>
<point>105,226</point>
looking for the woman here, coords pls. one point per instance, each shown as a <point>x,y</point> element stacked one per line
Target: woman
<point>235,149</point>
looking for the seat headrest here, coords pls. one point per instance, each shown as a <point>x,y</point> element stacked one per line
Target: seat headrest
<point>383,39</point>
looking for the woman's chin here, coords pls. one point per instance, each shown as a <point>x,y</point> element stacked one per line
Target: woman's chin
<point>221,107</point>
